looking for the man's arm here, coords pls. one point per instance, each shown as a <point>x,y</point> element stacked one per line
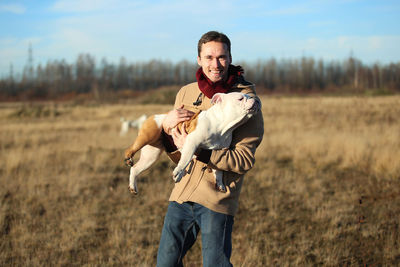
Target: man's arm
<point>240,156</point>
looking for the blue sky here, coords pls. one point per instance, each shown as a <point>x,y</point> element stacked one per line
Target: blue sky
<point>169,30</point>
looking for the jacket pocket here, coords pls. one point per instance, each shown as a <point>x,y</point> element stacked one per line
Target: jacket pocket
<point>233,181</point>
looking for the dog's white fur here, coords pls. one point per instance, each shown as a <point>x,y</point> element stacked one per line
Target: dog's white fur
<point>126,124</point>
<point>213,131</point>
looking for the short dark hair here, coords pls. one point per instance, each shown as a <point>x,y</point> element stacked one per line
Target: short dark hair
<point>216,37</point>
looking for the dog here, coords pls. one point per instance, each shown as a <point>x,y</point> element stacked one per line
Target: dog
<point>126,124</point>
<point>208,129</point>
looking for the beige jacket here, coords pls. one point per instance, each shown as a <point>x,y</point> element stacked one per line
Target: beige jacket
<point>198,185</point>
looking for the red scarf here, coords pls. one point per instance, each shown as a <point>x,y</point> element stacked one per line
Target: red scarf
<point>209,88</point>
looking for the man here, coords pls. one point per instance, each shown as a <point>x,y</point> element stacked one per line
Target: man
<point>195,204</point>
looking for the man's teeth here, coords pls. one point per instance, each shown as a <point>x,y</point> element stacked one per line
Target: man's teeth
<point>215,72</point>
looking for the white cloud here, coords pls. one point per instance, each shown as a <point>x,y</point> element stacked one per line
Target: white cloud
<point>136,31</point>
<point>143,30</point>
<point>68,43</point>
<point>290,11</point>
<point>369,49</point>
<point>13,8</point>
<point>322,23</point>
<point>78,6</point>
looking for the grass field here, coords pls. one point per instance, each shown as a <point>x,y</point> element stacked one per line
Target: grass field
<point>325,190</point>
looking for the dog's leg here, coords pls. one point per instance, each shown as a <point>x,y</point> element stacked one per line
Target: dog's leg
<point>191,143</point>
<point>148,134</point>
<point>148,155</point>
<point>219,183</point>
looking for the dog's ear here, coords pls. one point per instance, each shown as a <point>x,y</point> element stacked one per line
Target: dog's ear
<point>216,98</point>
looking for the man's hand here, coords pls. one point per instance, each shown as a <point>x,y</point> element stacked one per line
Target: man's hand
<point>174,117</point>
<point>179,136</point>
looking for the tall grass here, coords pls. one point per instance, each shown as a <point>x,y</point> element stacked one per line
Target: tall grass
<point>325,189</point>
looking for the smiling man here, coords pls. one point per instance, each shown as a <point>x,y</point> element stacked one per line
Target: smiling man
<point>195,204</point>
<point>214,59</point>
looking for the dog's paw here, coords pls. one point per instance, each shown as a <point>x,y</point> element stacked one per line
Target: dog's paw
<point>128,162</point>
<point>221,188</point>
<point>178,174</point>
<point>133,190</point>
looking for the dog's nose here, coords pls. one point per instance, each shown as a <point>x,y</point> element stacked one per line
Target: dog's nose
<point>254,104</point>
<point>257,104</point>
<point>247,96</point>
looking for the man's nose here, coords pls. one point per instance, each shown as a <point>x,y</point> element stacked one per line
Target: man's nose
<point>216,63</point>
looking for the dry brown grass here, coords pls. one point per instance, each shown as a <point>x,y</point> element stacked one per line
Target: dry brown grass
<point>325,189</point>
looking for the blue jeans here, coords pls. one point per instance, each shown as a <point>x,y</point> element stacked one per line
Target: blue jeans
<point>183,222</point>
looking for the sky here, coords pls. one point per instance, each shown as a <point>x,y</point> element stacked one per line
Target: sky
<point>330,30</point>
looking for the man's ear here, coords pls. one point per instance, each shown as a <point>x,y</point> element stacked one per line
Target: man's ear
<point>198,61</point>
<point>216,98</point>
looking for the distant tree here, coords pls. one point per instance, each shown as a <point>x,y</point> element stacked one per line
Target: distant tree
<point>85,73</point>
<point>57,77</point>
<point>122,75</point>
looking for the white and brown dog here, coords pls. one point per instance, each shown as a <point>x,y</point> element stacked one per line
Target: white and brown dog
<point>209,129</point>
<point>126,124</point>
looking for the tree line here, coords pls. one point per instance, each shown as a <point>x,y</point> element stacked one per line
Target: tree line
<point>58,78</point>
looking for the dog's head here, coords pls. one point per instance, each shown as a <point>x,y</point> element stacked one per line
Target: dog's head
<point>236,107</point>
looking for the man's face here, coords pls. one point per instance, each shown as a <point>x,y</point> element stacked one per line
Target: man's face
<point>215,59</point>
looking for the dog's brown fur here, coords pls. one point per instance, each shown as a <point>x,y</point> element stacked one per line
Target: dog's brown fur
<point>150,133</point>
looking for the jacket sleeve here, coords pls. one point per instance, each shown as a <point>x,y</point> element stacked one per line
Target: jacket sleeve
<point>240,156</point>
